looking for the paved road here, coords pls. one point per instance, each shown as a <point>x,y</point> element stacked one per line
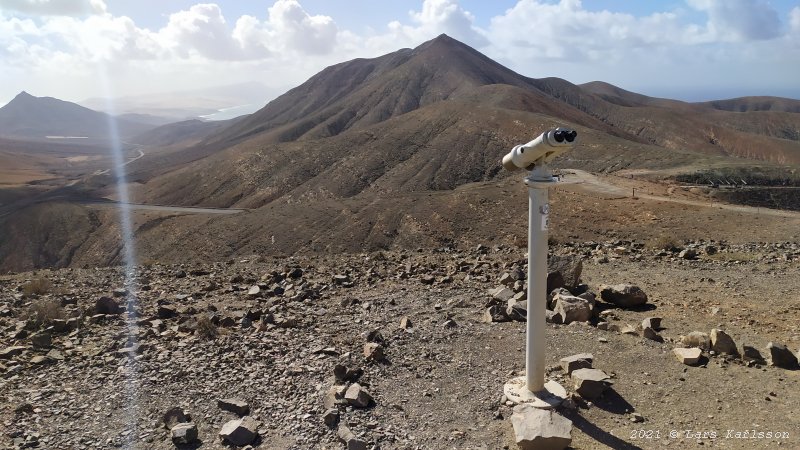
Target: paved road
<point>141,154</point>
<point>591,183</point>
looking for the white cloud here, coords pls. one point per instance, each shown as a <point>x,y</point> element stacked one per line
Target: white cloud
<point>739,20</point>
<point>200,30</point>
<point>54,7</point>
<point>794,19</point>
<point>288,43</point>
<point>290,23</point>
<point>566,31</point>
<point>435,17</point>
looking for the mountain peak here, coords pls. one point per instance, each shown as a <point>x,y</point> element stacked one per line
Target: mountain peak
<point>23,96</point>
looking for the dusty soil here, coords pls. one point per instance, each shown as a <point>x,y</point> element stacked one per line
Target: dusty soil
<point>440,385</point>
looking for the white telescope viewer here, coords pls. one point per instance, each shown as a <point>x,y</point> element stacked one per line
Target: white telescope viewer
<point>535,156</point>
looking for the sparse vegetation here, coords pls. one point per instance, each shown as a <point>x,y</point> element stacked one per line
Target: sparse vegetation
<point>665,242</point>
<point>206,328</point>
<point>37,286</point>
<point>43,312</point>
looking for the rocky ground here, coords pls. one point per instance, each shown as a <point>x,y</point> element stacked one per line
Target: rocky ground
<point>399,350</point>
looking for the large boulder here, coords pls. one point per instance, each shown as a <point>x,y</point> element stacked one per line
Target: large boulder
<point>184,433</point>
<point>573,309</point>
<point>688,356</point>
<point>517,310</point>
<point>590,383</point>
<point>721,342</point>
<point>623,295</point>
<point>540,429</point>
<point>563,271</point>
<point>240,432</point>
<point>780,356</point>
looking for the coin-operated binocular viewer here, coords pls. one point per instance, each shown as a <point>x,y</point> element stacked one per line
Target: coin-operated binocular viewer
<point>535,157</point>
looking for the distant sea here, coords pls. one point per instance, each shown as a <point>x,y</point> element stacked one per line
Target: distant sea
<point>233,111</point>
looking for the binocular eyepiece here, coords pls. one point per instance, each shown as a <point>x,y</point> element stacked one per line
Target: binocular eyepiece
<point>564,135</point>
<point>543,149</point>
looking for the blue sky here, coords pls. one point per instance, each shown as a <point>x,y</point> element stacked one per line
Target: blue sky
<point>685,49</point>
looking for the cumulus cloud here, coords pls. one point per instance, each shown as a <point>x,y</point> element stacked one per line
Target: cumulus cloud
<point>200,30</point>
<point>52,38</point>
<point>740,20</point>
<point>54,7</point>
<point>567,31</point>
<point>437,17</point>
<point>299,30</point>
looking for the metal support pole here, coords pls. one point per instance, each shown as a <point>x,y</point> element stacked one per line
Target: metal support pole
<point>538,223</point>
<point>537,280</point>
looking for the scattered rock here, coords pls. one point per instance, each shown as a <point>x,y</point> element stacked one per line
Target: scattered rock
<point>721,342</point>
<point>357,396</point>
<point>628,329</point>
<point>254,291</point>
<point>39,359</point>
<point>405,323</point>
<point>501,293</point>
<point>536,429</point>
<point>10,352</point>
<point>374,351</point>
<point>334,396</point>
<point>688,356</point>
<point>184,433</point>
<point>688,253</point>
<point>167,312</point>
<point>563,271</point>
<point>107,305</point>
<point>331,417</point>
<point>573,309</point>
<point>652,322</point>
<point>751,354</point>
<point>623,295</point>
<point>234,405</point>
<point>553,317</point>
<point>517,310</point>
<point>345,373</point>
<point>590,383</point>
<point>495,313</point>
<point>449,323</point>
<point>174,416</point>
<point>780,356</point>
<point>575,362</point>
<point>42,340</point>
<point>240,432</point>
<point>649,333</point>
<point>696,339</point>
<point>349,439</point>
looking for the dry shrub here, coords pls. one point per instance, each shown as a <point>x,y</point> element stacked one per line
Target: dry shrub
<point>665,242</point>
<point>206,328</point>
<point>38,286</point>
<point>44,312</point>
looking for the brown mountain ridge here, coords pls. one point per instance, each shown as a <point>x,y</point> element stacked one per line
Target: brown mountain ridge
<point>364,153</point>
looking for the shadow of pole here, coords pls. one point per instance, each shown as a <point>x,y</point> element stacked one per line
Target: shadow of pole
<point>597,433</point>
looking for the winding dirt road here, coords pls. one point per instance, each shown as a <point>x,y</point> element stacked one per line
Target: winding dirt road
<point>589,182</point>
